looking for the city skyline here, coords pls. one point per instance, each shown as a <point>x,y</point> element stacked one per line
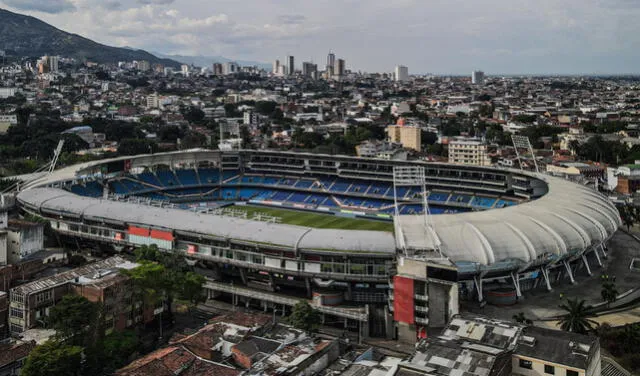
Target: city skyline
<point>441,38</point>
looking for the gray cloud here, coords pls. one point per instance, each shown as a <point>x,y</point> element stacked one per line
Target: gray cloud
<point>291,19</point>
<point>112,5</point>
<point>46,6</point>
<point>155,2</point>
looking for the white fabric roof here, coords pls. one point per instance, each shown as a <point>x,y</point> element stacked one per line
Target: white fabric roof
<point>569,218</point>
<point>300,237</point>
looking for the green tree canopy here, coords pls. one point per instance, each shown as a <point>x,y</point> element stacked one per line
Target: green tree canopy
<point>53,358</point>
<point>305,317</point>
<point>72,317</point>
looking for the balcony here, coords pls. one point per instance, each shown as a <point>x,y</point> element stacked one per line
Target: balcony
<point>423,298</point>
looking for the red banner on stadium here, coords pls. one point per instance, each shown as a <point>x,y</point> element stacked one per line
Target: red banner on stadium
<point>403,307</point>
<point>162,235</point>
<point>138,231</point>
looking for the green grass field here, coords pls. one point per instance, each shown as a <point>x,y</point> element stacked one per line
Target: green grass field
<point>317,220</point>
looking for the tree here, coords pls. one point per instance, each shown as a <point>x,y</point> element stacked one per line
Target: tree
<point>576,319</point>
<point>265,107</point>
<point>192,288</point>
<point>520,318</point>
<point>53,358</point>
<point>132,146</point>
<point>609,292</point>
<point>72,318</point>
<point>193,115</point>
<point>305,317</point>
<point>117,349</point>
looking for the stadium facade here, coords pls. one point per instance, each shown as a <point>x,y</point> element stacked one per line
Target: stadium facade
<point>492,233</point>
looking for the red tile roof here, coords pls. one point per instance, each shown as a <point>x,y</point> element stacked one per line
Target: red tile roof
<point>13,352</point>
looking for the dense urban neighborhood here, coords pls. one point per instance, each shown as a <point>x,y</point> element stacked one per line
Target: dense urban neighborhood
<point>295,218</point>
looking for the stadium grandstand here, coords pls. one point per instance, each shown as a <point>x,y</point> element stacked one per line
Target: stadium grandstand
<point>270,228</point>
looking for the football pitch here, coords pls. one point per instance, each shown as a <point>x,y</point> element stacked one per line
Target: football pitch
<point>317,220</point>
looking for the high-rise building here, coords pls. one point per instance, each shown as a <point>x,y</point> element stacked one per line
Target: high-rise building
<point>410,137</point>
<point>291,68</point>
<point>276,67</point>
<point>402,73</point>
<point>331,62</point>
<point>309,69</point>
<point>184,68</point>
<point>469,151</point>
<point>477,77</point>
<point>53,63</point>
<point>231,68</point>
<point>143,65</point>
<point>340,67</point>
<point>218,69</point>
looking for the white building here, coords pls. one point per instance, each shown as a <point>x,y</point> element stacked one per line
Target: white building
<point>469,151</point>
<point>477,77</point>
<point>402,73</point>
<point>6,92</point>
<point>276,67</point>
<point>184,68</point>
<point>153,101</point>
<point>53,62</point>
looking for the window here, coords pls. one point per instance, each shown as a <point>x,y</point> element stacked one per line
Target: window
<point>572,373</point>
<point>526,364</point>
<point>549,370</point>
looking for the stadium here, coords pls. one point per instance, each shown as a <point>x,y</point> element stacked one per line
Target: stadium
<point>387,248</point>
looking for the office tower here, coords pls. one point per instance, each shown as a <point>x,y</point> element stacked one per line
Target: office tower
<point>331,62</point>
<point>184,68</point>
<point>276,67</point>
<point>308,69</point>
<point>477,77</point>
<point>53,63</point>
<point>217,69</point>
<point>339,67</point>
<point>282,70</point>
<point>402,73</point>
<point>143,65</point>
<point>231,68</point>
<point>291,68</point>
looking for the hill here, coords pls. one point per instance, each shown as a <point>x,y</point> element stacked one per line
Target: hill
<point>207,61</point>
<point>22,35</point>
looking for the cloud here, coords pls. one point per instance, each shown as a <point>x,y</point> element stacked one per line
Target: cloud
<point>45,6</point>
<point>111,5</point>
<point>291,19</point>
<point>155,2</point>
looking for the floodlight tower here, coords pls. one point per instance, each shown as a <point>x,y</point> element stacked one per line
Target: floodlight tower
<point>522,142</point>
<point>404,176</point>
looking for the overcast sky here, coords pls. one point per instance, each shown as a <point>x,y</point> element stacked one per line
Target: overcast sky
<point>429,36</point>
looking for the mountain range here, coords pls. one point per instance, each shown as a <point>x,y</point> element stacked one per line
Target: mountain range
<point>207,61</point>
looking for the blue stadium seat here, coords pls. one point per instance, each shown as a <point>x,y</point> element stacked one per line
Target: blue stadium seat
<point>91,189</point>
<point>167,178</point>
<point>460,198</point>
<point>281,196</point>
<point>483,202</point>
<point>228,194</point>
<point>329,202</point>
<point>133,186</point>
<point>439,196</point>
<point>251,179</point>
<point>270,180</point>
<point>298,197</point>
<point>187,177</point>
<point>304,184</point>
<point>149,178</point>
<point>209,176</point>
<point>378,189</point>
<point>118,187</point>
<point>247,193</point>
<point>358,187</point>
<point>340,186</point>
<point>502,203</point>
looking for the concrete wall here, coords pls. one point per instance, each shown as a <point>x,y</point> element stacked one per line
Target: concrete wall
<point>438,305</point>
<point>4,257</point>
<point>24,241</point>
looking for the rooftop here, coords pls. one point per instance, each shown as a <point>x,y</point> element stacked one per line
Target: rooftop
<point>68,276</point>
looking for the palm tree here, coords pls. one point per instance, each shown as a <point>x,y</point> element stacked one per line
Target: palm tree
<point>609,292</point>
<point>520,318</point>
<point>576,319</point>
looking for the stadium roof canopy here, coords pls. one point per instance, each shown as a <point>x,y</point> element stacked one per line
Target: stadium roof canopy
<point>297,237</point>
<point>569,219</point>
